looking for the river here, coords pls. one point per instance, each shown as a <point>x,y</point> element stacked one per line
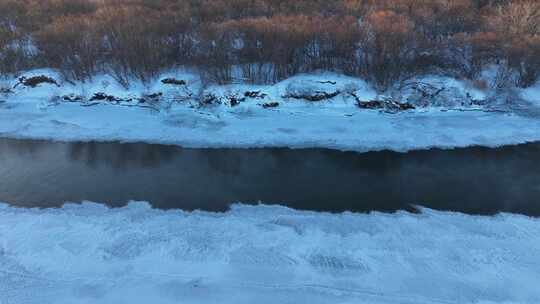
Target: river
<point>472,180</point>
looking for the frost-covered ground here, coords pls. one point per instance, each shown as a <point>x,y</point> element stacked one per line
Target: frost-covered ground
<point>177,118</point>
<point>90,254</point>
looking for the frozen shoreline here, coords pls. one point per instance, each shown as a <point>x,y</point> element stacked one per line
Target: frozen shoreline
<point>295,128</point>
<point>269,254</point>
<point>335,123</point>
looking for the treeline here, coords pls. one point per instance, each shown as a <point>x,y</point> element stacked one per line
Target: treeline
<point>265,41</point>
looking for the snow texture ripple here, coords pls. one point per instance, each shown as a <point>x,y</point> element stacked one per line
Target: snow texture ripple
<point>92,254</point>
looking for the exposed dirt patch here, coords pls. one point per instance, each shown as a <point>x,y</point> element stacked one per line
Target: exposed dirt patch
<point>315,96</point>
<point>100,96</point>
<point>72,98</point>
<point>173,81</point>
<point>255,94</point>
<point>34,81</point>
<point>270,105</point>
<point>386,104</point>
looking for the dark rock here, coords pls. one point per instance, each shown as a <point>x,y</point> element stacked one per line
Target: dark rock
<point>255,94</point>
<point>72,98</point>
<point>5,91</point>
<point>104,97</point>
<point>387,104</point>
<point>35,81</point>
<point>98,96</point>
<point>212,99</point>
<point>406,106</point>
<point>315,96</point>
<point>270,105</point>
<point>154,95</point>
<point>209,99</point>
<point>173,81</point>
<point>371,104</point>
<point>234,100</point>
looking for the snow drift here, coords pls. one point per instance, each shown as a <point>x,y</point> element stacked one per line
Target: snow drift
<point>91,254</point>
<point>319,110</point>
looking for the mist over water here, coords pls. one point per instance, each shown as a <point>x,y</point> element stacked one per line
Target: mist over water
<point>472,180</point>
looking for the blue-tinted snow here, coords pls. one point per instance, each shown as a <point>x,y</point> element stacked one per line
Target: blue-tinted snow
<point>335,123</point>
<point>91,254</point>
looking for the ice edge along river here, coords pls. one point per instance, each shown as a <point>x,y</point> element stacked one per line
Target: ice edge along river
<point>302,127</point>
<point>92,254</point>
<point>336,123</point>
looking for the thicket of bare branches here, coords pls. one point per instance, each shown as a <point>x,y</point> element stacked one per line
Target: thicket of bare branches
<point>268,40</point>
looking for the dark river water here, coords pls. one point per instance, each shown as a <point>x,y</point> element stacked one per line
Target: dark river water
<point>472,180</point>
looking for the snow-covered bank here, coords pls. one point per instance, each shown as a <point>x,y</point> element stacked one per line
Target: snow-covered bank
<point>303,127</point>
<point>90,254</point>
<point>305,111</point>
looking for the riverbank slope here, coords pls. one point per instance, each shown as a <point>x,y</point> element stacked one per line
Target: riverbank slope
<point>320,110</point>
